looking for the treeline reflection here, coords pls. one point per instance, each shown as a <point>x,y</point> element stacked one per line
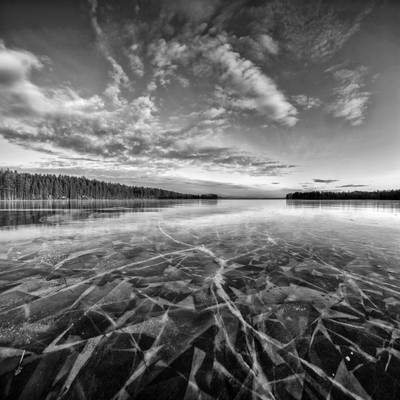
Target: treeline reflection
<point>382,205</point>
<point>55,212</point>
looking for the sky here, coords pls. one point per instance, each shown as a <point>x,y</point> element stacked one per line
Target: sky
<point>239,98</point>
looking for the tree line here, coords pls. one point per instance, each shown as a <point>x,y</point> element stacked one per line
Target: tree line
<point>25,186</point>
<point>356,195</point>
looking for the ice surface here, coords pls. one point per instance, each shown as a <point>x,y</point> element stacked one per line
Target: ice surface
<point>212,300</point>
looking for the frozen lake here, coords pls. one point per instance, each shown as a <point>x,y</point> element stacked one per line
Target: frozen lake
<point>244,299</point>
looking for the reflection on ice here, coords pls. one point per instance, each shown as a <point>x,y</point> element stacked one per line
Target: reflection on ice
<point>370,205</point>
<point>16,213</point>
<point>235,299</point>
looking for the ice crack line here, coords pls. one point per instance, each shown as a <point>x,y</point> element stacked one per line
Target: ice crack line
<point>219,281</point>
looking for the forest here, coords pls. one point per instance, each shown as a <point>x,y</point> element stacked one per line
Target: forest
<point>356,195</point>
<point>25,186</point>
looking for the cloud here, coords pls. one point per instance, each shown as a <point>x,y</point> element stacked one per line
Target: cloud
<point>133,145</point>
<point>68,101</point>
<point>214,112</point>
<point>351,186</point>
<point>165,58</point>
<point>15,66</point>
<point>306,102</point>
<point>228,159</point>
<point>84,127</point>
<point>258,91</point>
<point>268,43</point>
<point>185,79</point>
<point>17,93</point>
<point>325,180</point>
<point>135,62</point>
<point>315,31</point>
<point>350,97</point>
<point>132,134</point>
<point>117,74</point>
<point>20,97</point>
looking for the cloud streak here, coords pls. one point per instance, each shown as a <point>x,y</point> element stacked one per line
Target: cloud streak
<point>352,185</point>
<point>117,74</point>
<point>258,91</point>
<point>325,180</point>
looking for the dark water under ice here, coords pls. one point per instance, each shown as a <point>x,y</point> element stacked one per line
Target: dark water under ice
<point>228,299</point>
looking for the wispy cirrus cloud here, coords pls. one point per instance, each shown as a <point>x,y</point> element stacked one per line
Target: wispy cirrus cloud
<point>316,31</point>
<point>350,96</point>
<point>117,74</point>
<point>257,91</point>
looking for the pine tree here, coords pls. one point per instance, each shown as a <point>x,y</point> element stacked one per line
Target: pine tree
<point>24,186</point>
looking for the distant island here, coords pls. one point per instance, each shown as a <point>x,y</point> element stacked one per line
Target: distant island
<point>356,195</point>
<point>24,186</point>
